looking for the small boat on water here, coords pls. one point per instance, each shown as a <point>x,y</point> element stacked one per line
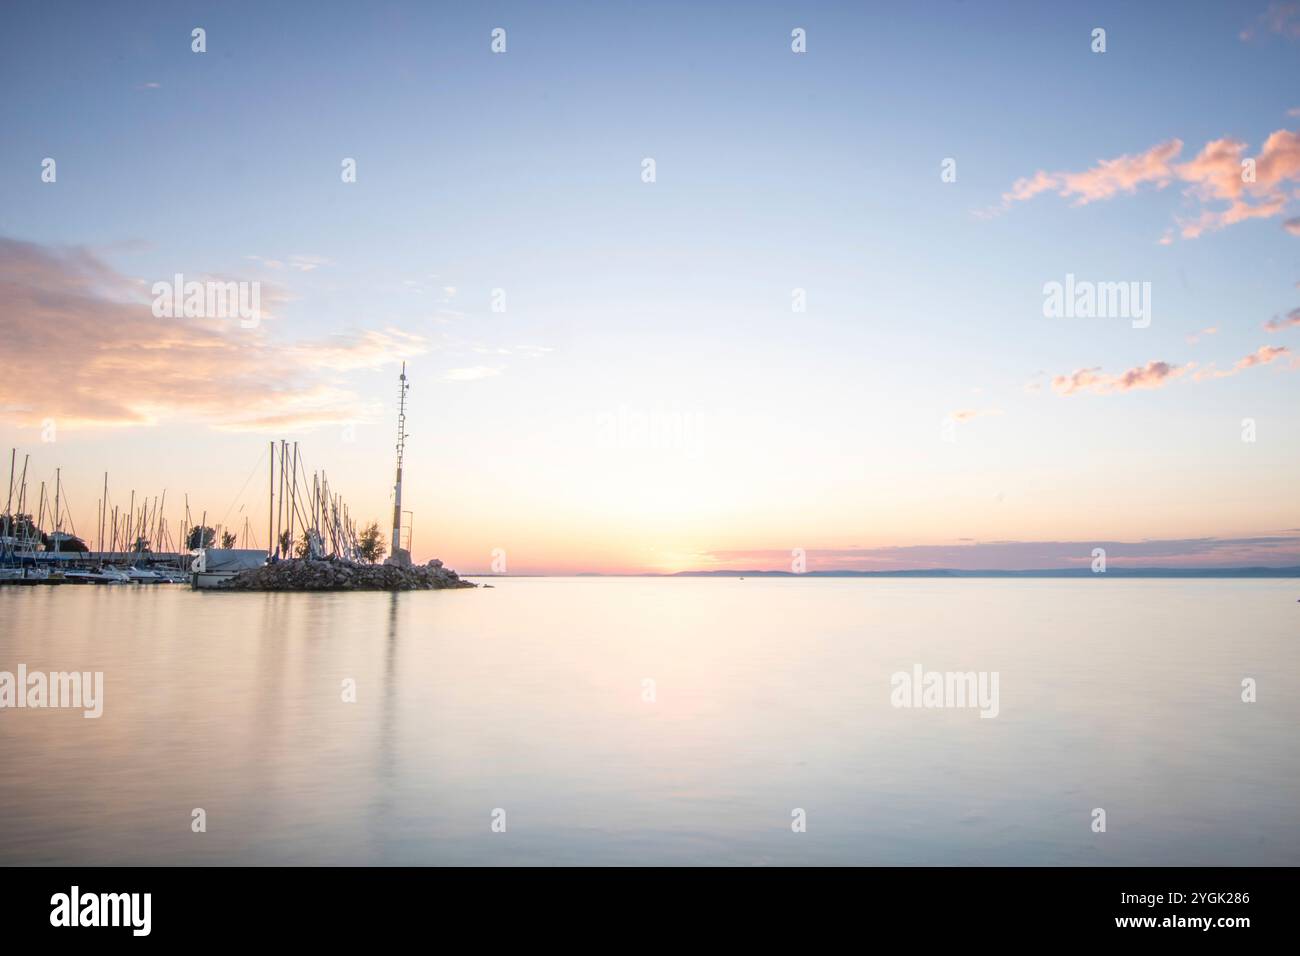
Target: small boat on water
<point>23,575</point>
<point>101,576</point>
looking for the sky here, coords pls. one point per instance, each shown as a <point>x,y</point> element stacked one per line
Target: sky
<point>821,328</point>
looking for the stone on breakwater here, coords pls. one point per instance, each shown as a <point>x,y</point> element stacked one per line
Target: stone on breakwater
<point>304,574</point>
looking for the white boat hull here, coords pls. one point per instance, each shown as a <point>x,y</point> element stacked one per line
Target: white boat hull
<point>213,567</point>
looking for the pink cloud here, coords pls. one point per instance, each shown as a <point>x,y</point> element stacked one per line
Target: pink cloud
<point>1263,355</point>
<point>1292,226</point>
<point>1278,323</point>
<point>1216,175</point>
<point>1275,548</point>
<point>1281,18</point>
<point>68,314</point>
<point>1023,189</point>
<point>1158,374</point>
<point>1110,177</point>
<point>1151,375</point>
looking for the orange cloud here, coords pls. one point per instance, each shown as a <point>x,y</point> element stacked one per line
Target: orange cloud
<point>1215,175</point>
<point>1108,178</point>
<point>1158,374</point>
<point>1111,177</point>
<point>99,357</point>
<point>1263,355</point>
<point>1023,189</point>
<point>1151,375</point>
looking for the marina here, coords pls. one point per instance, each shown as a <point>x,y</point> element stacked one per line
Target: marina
<point>307,522</point>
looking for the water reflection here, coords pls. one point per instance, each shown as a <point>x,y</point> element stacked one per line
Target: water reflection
<point>770,695</point>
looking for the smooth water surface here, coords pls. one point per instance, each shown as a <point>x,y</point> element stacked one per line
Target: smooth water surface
<point>658,721</point>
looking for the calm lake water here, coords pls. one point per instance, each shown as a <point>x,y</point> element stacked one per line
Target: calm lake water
<point>768,696</point>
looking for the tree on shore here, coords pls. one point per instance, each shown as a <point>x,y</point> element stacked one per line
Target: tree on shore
<point>227,539</point>
<point>200,537</point>
<point>371,545</point>
<point>21,527</point>
<point>67,543</point>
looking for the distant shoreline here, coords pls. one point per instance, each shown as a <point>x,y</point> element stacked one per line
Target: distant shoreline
<point>1111,572</point>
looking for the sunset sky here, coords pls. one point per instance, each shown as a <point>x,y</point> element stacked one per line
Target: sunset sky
<point>649,399</point>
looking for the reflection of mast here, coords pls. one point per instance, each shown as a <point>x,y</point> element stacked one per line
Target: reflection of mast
<point>401,449</point>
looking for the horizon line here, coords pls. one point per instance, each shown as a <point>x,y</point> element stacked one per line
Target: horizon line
<point>1257,571</point>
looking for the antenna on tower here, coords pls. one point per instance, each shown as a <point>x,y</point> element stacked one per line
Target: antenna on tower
<point>400,556</point>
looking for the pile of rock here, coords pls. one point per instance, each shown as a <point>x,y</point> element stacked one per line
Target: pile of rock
<point>305,574</point>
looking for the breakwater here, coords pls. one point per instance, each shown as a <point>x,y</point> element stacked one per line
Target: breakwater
<point>305,574</point>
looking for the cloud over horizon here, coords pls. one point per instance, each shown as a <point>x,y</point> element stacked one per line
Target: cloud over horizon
<point>1159,374</point>
<point>1270,550</point>
<point>99,357</point>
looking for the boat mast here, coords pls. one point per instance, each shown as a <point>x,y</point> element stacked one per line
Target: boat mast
<point>401,449</point>
<point>103,513</point>
<point>40,503</point>
<point>9,515</point>
<point>280,510</point>
<point>159,521</point>
<point>293,498</point>
<point>22,496</point>
<point>57,484</point>
<point>270,507</point>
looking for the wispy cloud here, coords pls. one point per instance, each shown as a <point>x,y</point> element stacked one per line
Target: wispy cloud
<point>91,330</point>
<point>472,374</point>
<point>1278,323</point>
<point>1280,18</point>
<point>1193,339</point>
<point>1151,375</point>
<point>1277,550</point>
<point>297,263</point>
<point>1159,374</point>
<point>1215,176</point>
<point>1108,178</point>
<point>1264,355</point>
<point>370,349</point>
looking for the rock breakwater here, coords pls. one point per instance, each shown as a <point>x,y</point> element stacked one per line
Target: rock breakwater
<point>304,574</point>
